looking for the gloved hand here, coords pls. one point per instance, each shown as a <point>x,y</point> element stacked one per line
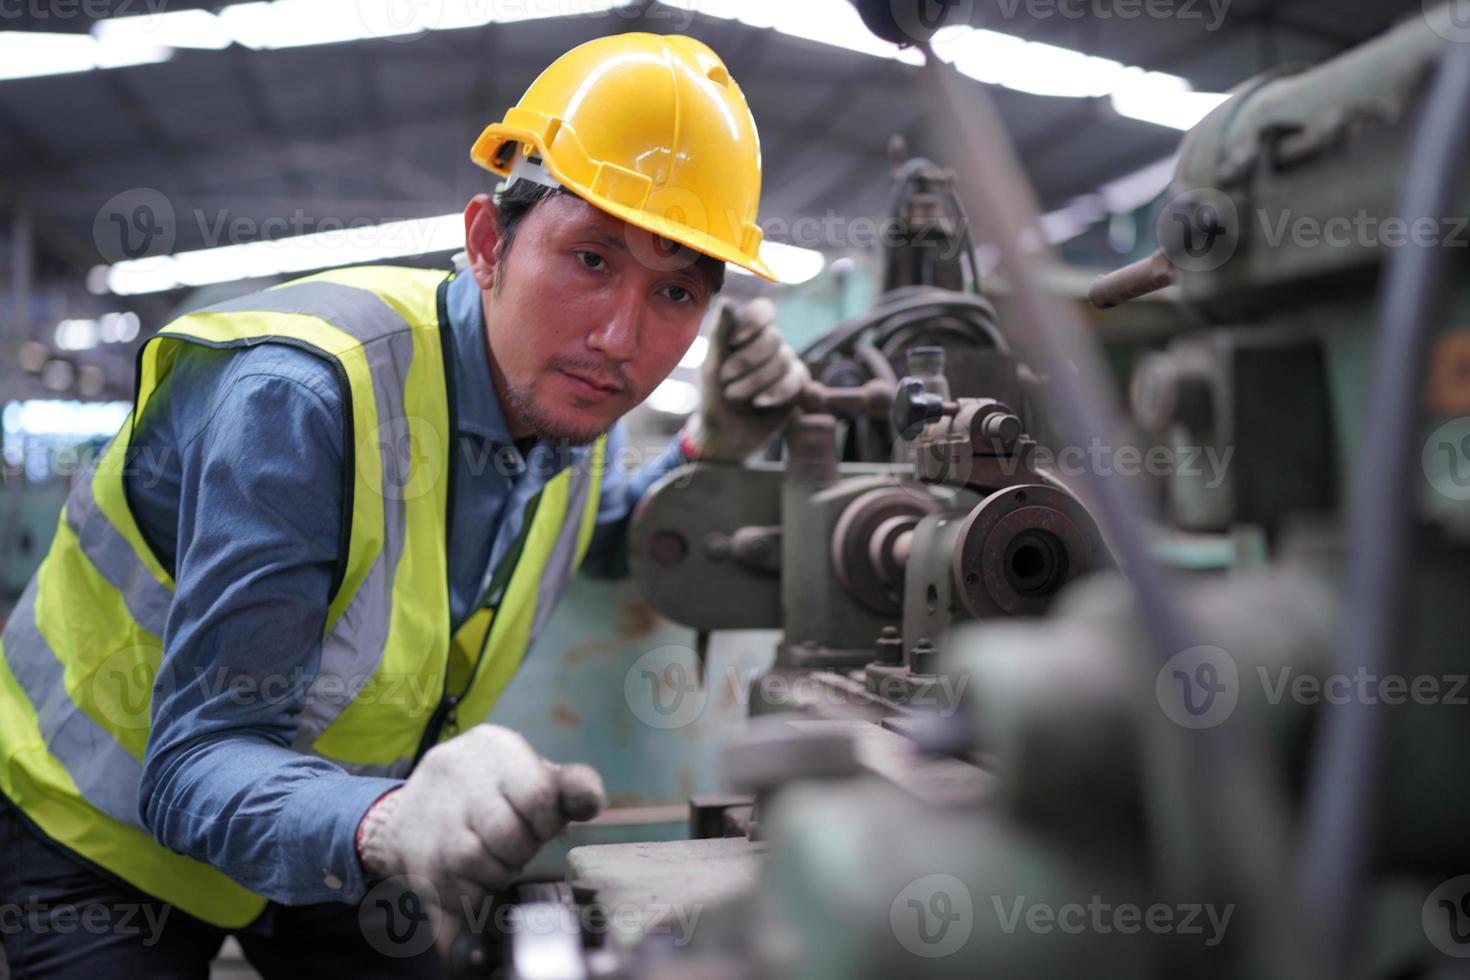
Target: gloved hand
<point>751,382</point>
<point>470,816</point>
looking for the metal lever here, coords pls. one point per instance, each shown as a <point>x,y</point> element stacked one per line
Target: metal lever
<point>913,405</point>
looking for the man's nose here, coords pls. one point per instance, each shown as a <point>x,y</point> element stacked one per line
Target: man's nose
<point>616,336</point>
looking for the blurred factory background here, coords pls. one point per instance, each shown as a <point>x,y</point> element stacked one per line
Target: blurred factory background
<point>157,156</point>
<point>161,155</point>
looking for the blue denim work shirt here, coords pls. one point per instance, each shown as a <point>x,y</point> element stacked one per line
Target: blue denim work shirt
<point>235,481</point>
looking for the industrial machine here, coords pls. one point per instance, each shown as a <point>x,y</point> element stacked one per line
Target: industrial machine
<point>1026,743</point>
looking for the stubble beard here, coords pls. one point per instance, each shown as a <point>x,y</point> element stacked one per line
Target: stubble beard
<point>544,425</point>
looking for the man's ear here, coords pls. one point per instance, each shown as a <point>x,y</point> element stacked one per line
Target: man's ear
<point>481,238</point>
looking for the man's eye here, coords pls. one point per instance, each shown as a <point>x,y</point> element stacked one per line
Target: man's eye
<point>678,294</point>
<point>592,260</point>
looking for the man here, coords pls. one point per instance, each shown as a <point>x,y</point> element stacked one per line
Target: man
<point>246,684</point>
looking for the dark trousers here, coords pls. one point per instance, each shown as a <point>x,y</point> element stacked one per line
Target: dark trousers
<point>60,918</point>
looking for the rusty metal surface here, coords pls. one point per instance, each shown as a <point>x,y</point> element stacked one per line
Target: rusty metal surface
<point>1020,547</point>
<point>1137,279</point>
<point>867,563</point>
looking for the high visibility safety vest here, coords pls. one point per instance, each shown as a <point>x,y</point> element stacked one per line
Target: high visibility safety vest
<point>80,656</point>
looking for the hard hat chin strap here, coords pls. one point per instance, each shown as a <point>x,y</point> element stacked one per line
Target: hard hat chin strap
<point>528,166</point>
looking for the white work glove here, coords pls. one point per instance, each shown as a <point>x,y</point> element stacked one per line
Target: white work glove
<point>474,811</point>
<point>751,382</point>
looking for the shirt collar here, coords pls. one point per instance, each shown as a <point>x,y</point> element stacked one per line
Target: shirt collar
<point>477,400</point>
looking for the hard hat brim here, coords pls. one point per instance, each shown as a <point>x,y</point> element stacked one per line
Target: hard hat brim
<point>487,150</point>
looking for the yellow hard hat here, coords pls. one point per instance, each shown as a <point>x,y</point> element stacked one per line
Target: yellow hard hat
<point>649,128</point>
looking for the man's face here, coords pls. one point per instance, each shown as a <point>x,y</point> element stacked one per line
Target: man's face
<point>586,316</point>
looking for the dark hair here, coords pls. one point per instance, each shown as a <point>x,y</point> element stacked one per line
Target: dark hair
<point>517,200</point>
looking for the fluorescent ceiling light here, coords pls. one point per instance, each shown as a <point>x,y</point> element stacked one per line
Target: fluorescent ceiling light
<point>1027,66</point>
<point>1164,100</point>
<point>301,253</point>
<point>1045,69</point>
<point>351,246</point>
<point>792,264</point>
<point>674,396</point>
<point>694,356</point>
<point>987,56</point>
<point>834,22</point>
<point>295,23</point>
<point>52,417</point>
<point>180,29</point>
<point>31,54</point>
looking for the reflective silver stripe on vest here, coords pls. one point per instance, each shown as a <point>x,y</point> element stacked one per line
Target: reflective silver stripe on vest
<point>147,599</point>
<point>102,769</point>
<point>561,565</point>
<point>353,649</point>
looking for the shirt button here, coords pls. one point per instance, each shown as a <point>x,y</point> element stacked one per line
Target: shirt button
<point>332,881</point>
